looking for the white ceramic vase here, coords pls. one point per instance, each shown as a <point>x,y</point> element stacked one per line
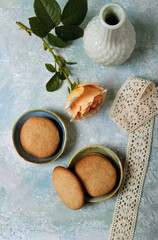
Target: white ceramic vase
<point>109,39</point>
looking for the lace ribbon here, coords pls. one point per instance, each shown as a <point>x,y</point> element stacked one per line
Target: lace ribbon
<point>133,110</point>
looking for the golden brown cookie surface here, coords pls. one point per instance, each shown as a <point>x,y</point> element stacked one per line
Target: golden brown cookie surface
<point>96,173</point>
<point>39,137</point>
<point>68,188</point>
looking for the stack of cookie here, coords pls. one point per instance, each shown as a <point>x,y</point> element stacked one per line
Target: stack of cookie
<point>94,175</point>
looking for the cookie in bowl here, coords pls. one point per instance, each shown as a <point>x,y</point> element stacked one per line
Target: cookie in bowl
<point>39,137</point>
<point>96,173</point>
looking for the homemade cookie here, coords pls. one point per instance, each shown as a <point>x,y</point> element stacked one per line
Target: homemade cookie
<point>68,188</point>
<point>39,137</point>
<point>96,173</point>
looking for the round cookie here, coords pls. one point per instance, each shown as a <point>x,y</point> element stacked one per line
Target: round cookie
<point>39,137</point>
<point>68,188</point>
<point>96,173</point>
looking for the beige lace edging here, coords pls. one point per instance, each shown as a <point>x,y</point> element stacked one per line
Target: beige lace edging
<point>133,110</point>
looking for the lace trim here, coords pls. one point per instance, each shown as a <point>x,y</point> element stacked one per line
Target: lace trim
<point>135,103</point>
<point>138,151</point>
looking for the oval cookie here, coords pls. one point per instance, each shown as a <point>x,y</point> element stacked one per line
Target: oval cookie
<point>97,174</point>
<point>68,188</point>
<point>39,137</point>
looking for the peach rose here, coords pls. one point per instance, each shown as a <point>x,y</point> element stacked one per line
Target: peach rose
<point>85,100</point>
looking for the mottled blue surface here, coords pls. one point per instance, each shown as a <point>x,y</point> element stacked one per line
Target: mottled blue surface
<point>29,206</point>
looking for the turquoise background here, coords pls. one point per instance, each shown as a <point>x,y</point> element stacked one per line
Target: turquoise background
<point>29,206</point>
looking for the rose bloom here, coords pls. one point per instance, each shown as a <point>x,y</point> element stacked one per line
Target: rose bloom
<point>85,100</point>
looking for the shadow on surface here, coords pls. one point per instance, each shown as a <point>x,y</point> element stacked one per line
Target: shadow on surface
<point>143,42</point>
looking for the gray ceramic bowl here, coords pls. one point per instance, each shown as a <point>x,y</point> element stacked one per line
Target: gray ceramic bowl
<point>40,113</point>
<point>111,156</point>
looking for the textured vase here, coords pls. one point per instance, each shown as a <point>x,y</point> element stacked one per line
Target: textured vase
<point>109,38</point>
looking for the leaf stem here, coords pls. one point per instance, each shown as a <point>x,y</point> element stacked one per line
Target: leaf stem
<point>56,60</point>
<point>49,48</point>
<point>29,31</point>
<point>70,83</point>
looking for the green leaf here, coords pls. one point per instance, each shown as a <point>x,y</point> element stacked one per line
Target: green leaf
<point>61,76</point>
<point>50,67</point>
<point>48,12</point>
<point>67,33</point>
<point>67,70</point>
<point>36,27</point>
<point>74,12</point>
<point>71,63</point>
<point>56,41</point>
<point>53,84</point>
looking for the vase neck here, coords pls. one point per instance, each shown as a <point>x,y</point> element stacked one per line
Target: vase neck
<point>113,17</point>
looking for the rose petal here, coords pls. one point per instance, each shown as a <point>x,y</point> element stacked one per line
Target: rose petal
<point>73,96</point>
<point>85,100</point>
<point>87,96</point>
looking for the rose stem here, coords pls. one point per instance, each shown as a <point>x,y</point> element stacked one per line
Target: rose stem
<point>29,31</point>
